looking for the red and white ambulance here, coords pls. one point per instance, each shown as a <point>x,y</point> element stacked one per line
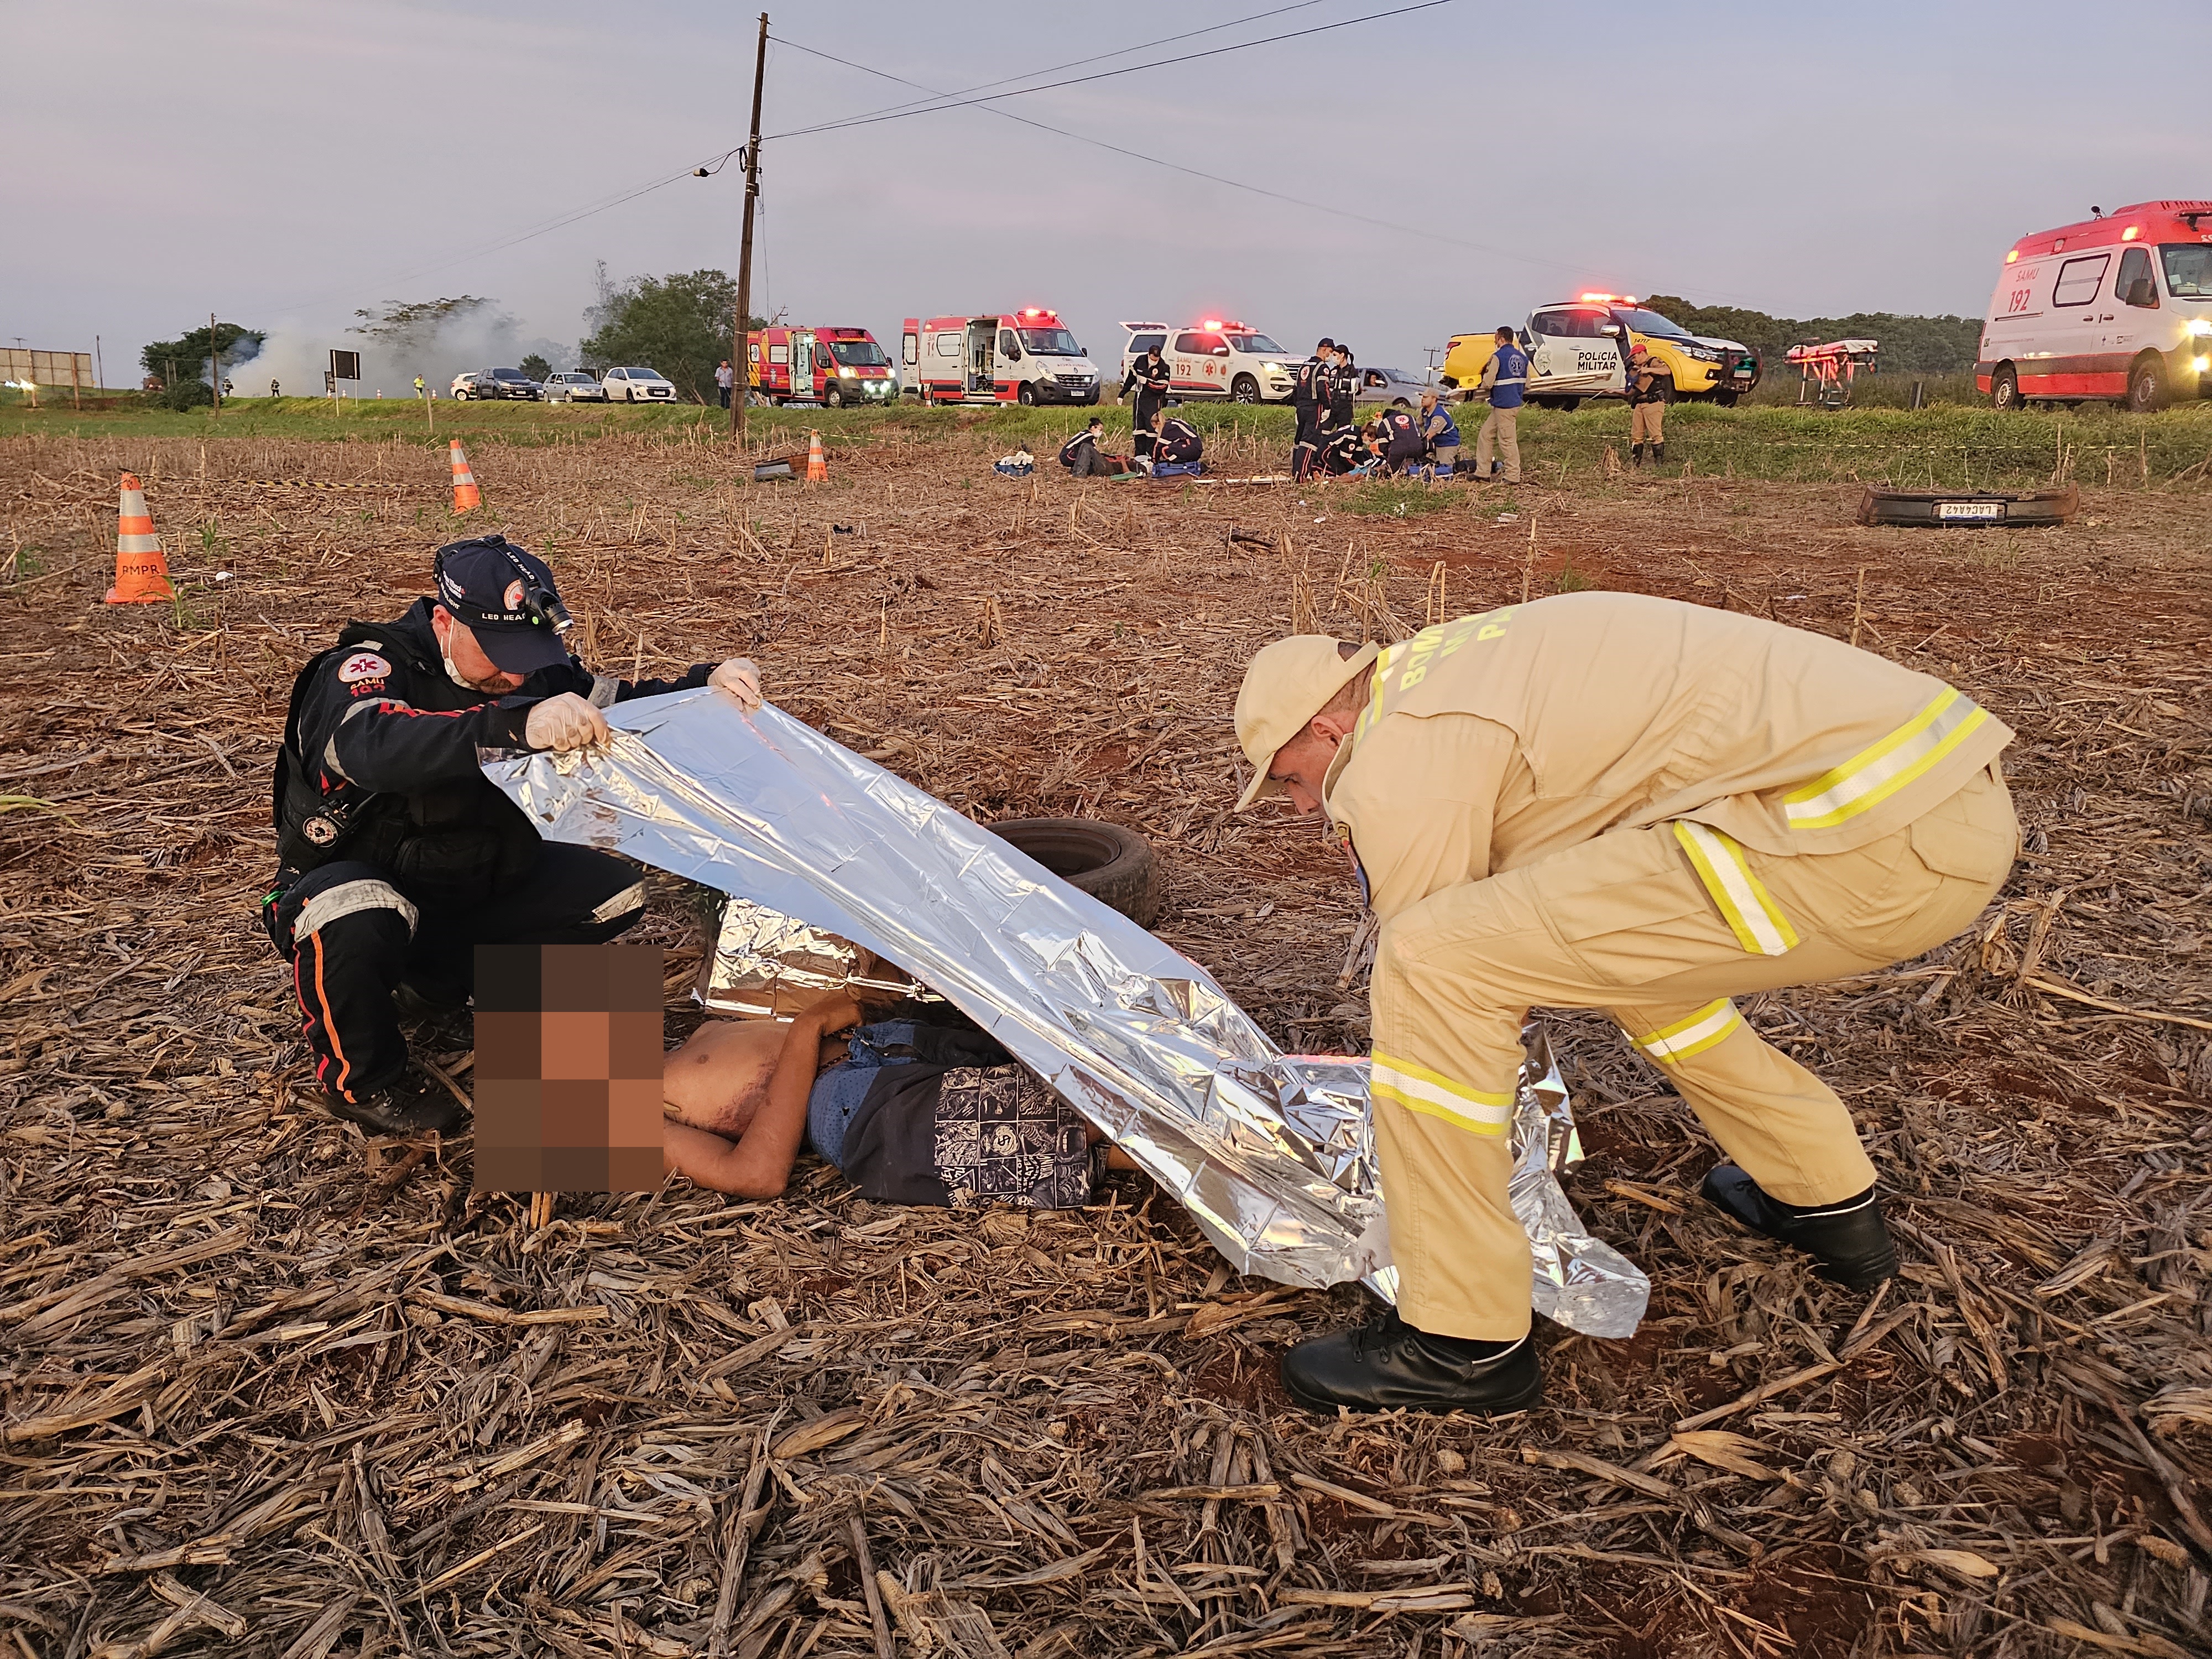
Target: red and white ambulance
<point>1026,357</point>
<point>2117,308</point>
<point>833,366</point>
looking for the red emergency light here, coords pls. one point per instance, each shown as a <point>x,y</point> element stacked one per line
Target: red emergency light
<point>1038,311</point>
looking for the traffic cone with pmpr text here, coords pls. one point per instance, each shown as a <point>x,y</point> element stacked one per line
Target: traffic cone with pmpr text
<point>818,469</point>
<point>466,496</point>
<point>142,574</point>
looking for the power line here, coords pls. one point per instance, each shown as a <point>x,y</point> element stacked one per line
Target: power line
<point>715,164</point>
<point>1198,173</point>
<point>1072,62</point>
<point>1103,74</point>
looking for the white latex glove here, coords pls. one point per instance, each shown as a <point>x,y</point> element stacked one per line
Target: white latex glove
<point>741,677</point>
<point>564,722</point>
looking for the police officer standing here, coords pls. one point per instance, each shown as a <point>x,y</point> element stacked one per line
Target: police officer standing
<point>1505,380</point>
<point>1306,395</point>
<point>1650,385</point>
<point>1150,376</point>
<point>397,856</point>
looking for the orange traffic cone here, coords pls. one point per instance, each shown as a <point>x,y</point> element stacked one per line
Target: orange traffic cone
<point>817,470</point>
<point>466,496</point>
<point>142,574</point>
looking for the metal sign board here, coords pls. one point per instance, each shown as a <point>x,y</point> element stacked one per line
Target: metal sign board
<point>52,369</point>
<point>344,365</point>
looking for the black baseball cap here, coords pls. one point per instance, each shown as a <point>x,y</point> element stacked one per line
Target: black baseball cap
<point>506,598</point>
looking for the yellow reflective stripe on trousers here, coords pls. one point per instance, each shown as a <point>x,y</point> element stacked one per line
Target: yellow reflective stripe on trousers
<point>1700,1031</point>
<point>1418,1089</point>
<point>1746,905</point>
<point>1873,775</point>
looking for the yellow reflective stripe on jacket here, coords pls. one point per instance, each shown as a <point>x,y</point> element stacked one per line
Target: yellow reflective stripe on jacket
<point>1873,775</point>
<point>1434,1095</point>
<point>1746,905</point>
<point>1700,1031</point>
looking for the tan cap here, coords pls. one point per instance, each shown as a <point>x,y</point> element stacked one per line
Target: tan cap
<point>1285,686</point>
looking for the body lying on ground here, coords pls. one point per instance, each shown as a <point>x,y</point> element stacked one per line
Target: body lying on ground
<point>914,1110</point>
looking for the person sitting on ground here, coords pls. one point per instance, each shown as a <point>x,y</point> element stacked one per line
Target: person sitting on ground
<point>1175,442</point>
<point>912,1112</point>
<point>1438,431</point>
<point>1082,455</point>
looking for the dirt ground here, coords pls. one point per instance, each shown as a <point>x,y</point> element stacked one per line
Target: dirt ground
<point>271,1390</point>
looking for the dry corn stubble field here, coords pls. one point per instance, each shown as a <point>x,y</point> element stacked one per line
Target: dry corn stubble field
<point>270,1389</point>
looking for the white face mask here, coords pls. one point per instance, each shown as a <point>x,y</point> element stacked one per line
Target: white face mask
<point>452,672</point>
<point>446,656</point>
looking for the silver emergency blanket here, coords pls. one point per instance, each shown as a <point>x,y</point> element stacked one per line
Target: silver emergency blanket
<point>1274,1159</point>
<point>768,965</point>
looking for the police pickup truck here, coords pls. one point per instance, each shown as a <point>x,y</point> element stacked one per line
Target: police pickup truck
<point>1576,350</point>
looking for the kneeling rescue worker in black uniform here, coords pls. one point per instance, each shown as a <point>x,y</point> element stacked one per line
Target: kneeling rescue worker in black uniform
<point>398,856</point>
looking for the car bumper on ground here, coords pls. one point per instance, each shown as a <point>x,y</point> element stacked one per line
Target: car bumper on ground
<point>1067,389</point>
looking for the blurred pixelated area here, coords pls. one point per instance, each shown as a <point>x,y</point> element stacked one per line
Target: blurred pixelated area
<point>568,1068</point>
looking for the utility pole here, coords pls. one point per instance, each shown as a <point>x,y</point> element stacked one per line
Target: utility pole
<point>215,364</point>
<point>741,374</point>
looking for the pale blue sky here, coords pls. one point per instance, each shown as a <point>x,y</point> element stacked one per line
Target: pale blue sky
<point>285,162</point>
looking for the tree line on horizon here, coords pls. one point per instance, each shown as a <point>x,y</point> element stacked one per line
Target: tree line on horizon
<point>1910,345</point>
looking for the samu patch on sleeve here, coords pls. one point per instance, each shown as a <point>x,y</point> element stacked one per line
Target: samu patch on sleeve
<point>363,666</point>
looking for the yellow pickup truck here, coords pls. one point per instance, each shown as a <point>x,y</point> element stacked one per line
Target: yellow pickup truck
<point>1579,348</point>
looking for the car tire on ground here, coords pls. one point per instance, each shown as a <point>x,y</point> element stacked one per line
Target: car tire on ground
<point>2004,389</point>
<point>1724,399</point>
<point>1026,396</point>
<point>1111,862</point>
<point>833,398</point>
<point>1244,390</point>
<point>2146,385</point>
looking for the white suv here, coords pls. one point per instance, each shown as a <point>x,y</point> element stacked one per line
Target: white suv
<point>1216,359</point>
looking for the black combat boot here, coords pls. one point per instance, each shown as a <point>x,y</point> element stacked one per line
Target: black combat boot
<point>405,1107</point>
<point>1635,455</point>
<point>1659,454</point>
<point>1847,1237</point>
<point>441,1023</point>
<point>1386,1364</point>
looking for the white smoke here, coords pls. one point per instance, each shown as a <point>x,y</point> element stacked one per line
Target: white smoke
<point>297,353</point>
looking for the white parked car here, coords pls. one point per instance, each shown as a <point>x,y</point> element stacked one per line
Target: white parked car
<point>636,386</point>
<point>464,387</point>
<point>573,386</point>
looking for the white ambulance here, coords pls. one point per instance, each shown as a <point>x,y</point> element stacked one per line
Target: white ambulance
<point>1215,358</point>
<point>2116,308</point>
<point>1025,356</point>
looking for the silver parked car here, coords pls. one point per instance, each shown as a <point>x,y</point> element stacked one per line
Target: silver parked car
<point>573,385</point>
<point>1388,386</point>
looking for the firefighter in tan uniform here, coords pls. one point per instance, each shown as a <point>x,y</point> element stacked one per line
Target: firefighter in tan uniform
<point>1607,800</point>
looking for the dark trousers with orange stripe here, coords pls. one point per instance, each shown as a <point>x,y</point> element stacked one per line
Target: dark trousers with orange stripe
<point>353,932</point>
